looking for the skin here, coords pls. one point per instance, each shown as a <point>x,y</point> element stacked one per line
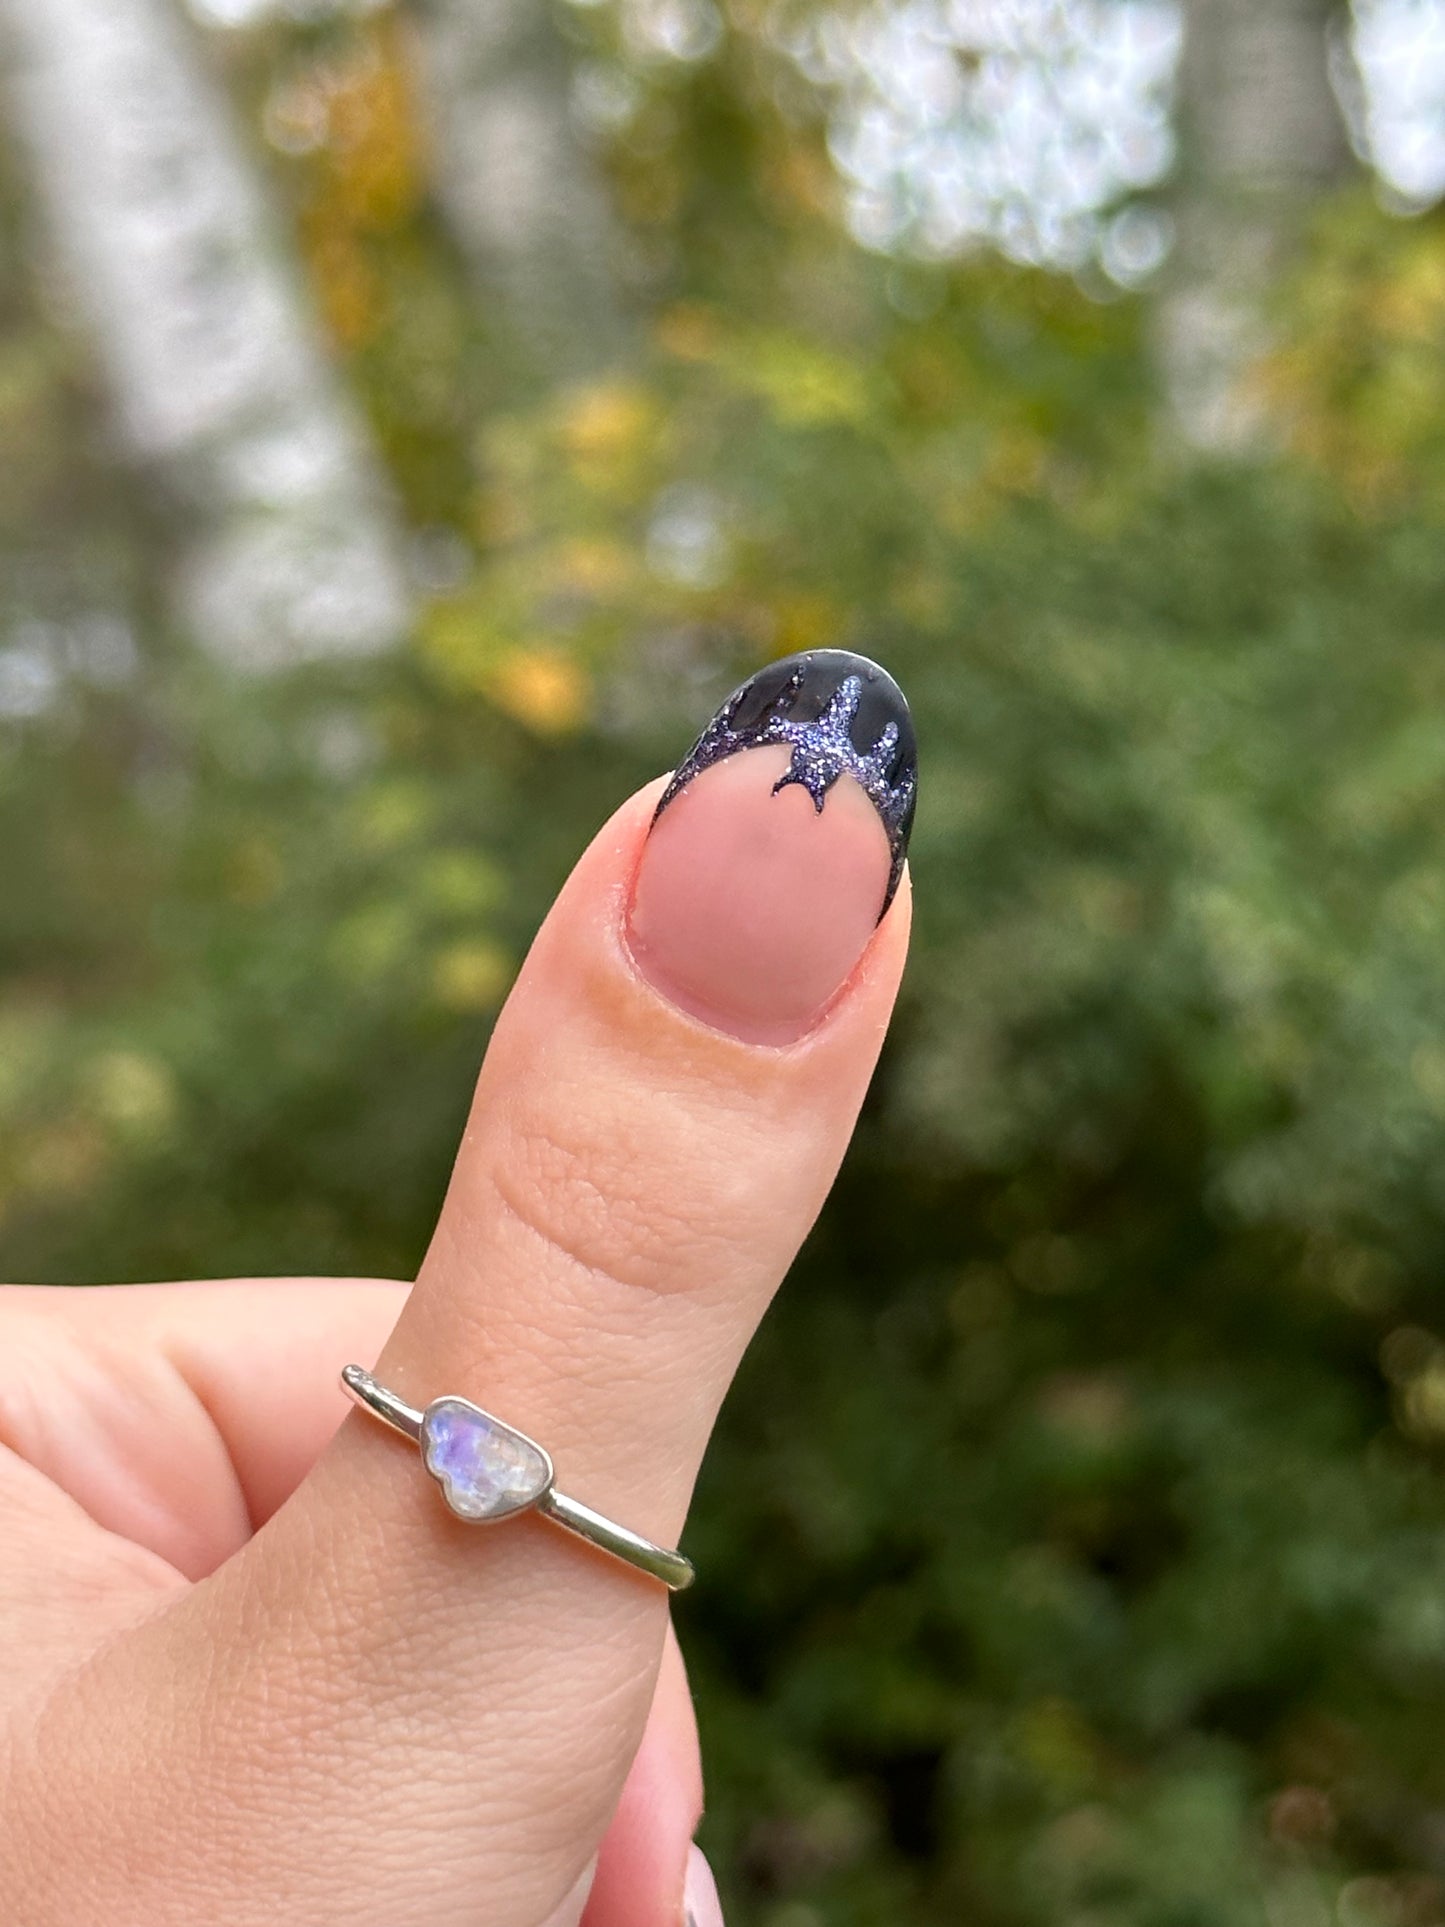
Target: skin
<point>732,957</point>
<point>251,1670</point>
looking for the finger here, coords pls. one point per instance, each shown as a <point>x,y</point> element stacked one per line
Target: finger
<point>405,1709</point>
<point>701,1906</point>
<point>174,1415</point>
<point>642,1868</point>
<point>647,1860</point>
<point>179,1417</point>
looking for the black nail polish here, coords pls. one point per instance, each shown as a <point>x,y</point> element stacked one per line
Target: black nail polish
<point>842,716</point>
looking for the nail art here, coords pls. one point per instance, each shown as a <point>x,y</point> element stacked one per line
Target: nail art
<point>841,715</point>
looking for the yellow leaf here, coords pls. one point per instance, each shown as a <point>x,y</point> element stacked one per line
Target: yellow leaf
<point>805,622</point>
<point>1422,1403</point>
<point>593,567</point>
<point>806,386</point>
<point>542,688</point>
<point>135,1094</point>
<point>471,976</point>
<point>605,421</point>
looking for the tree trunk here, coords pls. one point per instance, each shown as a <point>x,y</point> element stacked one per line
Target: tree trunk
<point>219,377</point>
<point>1262,136</point>
<point>516,187</point>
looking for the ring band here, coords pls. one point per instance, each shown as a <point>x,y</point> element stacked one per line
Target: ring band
<point>488,1470</point>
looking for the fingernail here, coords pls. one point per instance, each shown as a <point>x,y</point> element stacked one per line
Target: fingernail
<point>777,846</point>
<point>700,1904</point>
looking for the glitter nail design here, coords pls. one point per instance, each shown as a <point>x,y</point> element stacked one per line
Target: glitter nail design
<point>841,715</point>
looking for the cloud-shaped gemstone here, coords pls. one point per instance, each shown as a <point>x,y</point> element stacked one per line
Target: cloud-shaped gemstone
<point>484,1468</point>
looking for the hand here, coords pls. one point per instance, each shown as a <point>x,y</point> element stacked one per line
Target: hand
<point>252,1672</point>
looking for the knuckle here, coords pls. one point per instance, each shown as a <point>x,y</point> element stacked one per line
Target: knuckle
<point>599,1205</point>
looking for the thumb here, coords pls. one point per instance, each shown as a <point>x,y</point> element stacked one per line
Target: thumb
<point>374,1711</point>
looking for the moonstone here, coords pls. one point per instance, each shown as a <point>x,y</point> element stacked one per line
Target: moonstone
<point>484,1468</point>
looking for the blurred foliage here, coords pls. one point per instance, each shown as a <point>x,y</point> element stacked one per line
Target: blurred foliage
<point>1092,1568</point>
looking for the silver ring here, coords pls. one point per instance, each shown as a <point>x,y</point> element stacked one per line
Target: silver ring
<point>488,1470</point>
